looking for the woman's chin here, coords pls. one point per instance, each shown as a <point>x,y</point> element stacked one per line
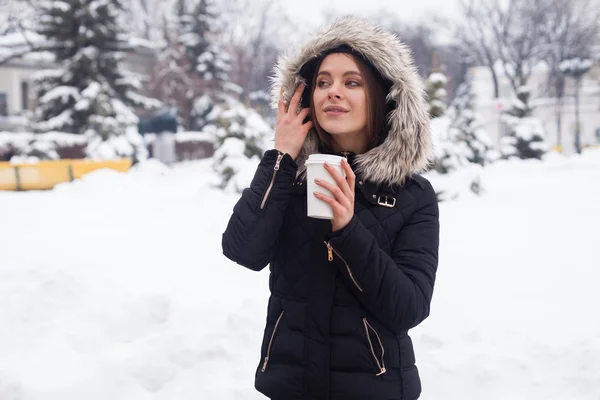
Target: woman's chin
<point>335,128</point>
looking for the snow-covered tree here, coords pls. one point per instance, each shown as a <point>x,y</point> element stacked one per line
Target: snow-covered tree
<point>449,154</point>
<point>468,127</point>
<point>452,174</point>
<point>89,92</point>
<point>200,38</point>
<point>435,93</point>
<point>526,136</point>
<point>241,137</point>
<point>458,142</point>
<point>207,62</point>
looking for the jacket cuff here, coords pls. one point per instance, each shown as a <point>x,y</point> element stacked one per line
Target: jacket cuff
<point>337,238</point>
<point>287,163</point>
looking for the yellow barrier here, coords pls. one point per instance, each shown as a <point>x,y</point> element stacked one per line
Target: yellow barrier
<point>47,174</point>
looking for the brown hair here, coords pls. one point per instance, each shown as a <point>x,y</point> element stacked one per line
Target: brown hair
<point>377,109</point>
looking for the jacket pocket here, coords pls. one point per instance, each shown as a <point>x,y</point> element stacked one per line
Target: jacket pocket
<point>372,334</point>
<point>330,251</point>
<point>266,362</point>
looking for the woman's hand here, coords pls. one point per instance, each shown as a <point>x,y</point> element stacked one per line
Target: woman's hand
<point>290,131</point>
<point>343,203</point>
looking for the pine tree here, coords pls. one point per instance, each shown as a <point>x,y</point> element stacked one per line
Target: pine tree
<point>468,127</point>
<point>526,136</point>
<point>88,92</point>
<point>207,61</point>
<point>435,93</point>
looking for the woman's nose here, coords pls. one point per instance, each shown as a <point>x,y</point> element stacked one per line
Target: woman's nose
<point>334,92</point>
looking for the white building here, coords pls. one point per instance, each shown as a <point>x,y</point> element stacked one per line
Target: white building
<point>544,107</point>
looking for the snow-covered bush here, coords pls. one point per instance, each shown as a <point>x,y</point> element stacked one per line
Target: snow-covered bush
<point>251,134</point>
<point>526,136</point>
<point>435,93</point>
<point>475,143</point>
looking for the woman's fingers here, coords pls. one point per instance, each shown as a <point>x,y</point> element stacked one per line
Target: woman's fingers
<point>295,101</point>
<point>340,180</point>
<point>350,176</point>
<point>335,205</point>
<point>337,193</point>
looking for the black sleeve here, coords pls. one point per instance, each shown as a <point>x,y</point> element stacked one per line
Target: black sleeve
<point>251,235</point>
<point>397,289</point>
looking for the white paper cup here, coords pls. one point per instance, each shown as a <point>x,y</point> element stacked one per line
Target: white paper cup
<point>315,168</point>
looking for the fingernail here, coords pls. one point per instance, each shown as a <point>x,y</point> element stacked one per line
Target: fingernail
<point>316,194</point>
<point>326,165</point>
<point>317,180</point>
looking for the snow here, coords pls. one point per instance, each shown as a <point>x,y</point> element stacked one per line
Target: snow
<point>62,92</point>
<point>528,128</point>
<point>114,287</point>
<point>61,5</point>
<point>575,66</point>
<point>437,78</point>
<point>20,38</point>
<point>59,121</point>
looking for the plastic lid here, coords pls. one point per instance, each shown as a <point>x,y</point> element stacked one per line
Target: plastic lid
<point>321,158</point>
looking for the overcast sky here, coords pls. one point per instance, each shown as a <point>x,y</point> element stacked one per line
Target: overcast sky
<point>407,10</point>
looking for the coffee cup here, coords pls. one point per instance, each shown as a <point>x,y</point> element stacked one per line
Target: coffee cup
<point>315,169</point>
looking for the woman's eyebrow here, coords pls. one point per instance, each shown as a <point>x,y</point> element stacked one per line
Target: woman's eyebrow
<point>345,73</point>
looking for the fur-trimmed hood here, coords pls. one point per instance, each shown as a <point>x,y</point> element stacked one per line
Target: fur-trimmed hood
<point>407,147</point>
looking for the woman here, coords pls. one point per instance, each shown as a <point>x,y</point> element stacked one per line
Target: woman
<point>345,292</point>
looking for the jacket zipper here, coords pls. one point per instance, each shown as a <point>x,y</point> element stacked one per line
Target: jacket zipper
<point>380,365</point>
<point>330,251</point>
<point>264,367</point>
<point>275,169</point>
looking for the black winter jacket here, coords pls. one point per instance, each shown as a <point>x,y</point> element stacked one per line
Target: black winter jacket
<point>341,303</point>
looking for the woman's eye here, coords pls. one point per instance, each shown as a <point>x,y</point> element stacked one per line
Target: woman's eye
<point>353,83</point>
<point>321,83</point>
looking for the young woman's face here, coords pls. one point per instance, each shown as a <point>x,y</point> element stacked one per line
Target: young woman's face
<point>339,97</point>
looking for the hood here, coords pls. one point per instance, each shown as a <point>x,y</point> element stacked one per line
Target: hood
<point>407,146</point>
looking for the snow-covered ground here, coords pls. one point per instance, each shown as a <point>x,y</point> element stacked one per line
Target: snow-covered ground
<point>115,287</point>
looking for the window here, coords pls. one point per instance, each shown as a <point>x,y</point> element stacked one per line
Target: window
<point>3,104</point>
<point>24,95</point>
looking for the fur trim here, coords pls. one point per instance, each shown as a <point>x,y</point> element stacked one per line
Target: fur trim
<point>407,148</point>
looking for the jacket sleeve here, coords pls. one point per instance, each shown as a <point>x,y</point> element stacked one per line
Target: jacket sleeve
<point>251,235</point>
<point>396,289</point>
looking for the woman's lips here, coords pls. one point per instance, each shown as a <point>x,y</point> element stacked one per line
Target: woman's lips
<point>334,113</point>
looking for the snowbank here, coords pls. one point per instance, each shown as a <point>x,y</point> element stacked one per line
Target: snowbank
<point>114,287</point>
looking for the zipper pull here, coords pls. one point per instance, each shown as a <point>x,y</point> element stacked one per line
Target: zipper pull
<point>279,157</point>
<point>264,367</point>
<point>329,252</point>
